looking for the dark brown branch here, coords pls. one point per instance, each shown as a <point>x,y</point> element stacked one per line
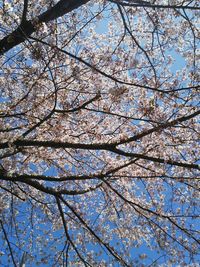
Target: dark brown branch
<point>10,129</point>
<point>45,189</point>
<point>12,193</point>
<point>61,8</point>
<point>67,234</point>
<point>53,144</point>
<point>100,241</point>
<point>160,127</point>
<point>26,28</point>
<point>25,10</point>
<point>9,246</point>
<point>109,76</point>
<point>80,107</point>
<point>104,146</point>
<point>135,40</point>
<point>113,78</point>
<point>149,5</point>
<point>137,206</point>
<point>38,177</point>
<point>119,115</point>
<point>158,160</point>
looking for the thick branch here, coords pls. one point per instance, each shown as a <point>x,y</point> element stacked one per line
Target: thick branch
<point>104,146</point>
<point>26,28</point>
<point>45,189</point>
<point>25,11</point>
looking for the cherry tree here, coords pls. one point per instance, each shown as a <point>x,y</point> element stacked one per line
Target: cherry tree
<point>99,133</point>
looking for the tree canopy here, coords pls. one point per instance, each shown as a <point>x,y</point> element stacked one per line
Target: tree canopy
<point>99,133</point>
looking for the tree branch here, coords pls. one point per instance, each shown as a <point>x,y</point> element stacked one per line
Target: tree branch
<point>141,3</point>
<point>95,146</point>
<point>9,246</point>
<point>26,28</point>
<point>160,127</point>
<point>67,234</point>
<point>100,241</point>
<point>25,10</point>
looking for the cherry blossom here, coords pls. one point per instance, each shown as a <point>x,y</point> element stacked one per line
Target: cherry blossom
<point>99,133</point>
